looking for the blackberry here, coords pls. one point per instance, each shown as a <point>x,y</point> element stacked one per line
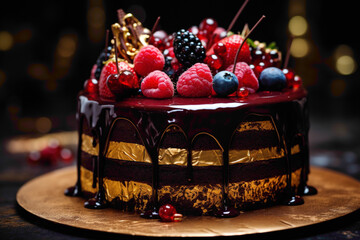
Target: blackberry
<point>188,48</point>
<point>100,62</point>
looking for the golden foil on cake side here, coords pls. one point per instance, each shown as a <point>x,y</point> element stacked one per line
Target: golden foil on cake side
<point>178,156</point>
<point>256,126</point>
<point>201,198</point>
<point>86,178</point>
<point>127,151</point>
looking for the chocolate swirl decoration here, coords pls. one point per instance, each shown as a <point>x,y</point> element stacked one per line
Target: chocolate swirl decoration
<point>130,35</point>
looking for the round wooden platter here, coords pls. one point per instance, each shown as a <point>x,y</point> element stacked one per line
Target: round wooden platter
<point>338,195</point>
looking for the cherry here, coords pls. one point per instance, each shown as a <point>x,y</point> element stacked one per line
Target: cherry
<point>220,49</point>
<point>91,86</point>
<point>209,25</point>
<point>120,83</point>
<point>213,61</point>
<point>167,212</point>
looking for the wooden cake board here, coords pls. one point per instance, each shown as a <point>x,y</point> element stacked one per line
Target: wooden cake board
<point>338,195</point>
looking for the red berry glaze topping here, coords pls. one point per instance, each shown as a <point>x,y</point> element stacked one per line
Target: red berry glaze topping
<point>196,81</point>
<point>157,84</point>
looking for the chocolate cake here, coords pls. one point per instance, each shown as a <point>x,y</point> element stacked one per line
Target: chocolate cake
<point>177,134</point>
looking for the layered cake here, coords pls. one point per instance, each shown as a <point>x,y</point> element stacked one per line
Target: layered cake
<point>203,121</point>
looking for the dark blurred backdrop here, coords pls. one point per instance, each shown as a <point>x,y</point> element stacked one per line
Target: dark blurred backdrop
<point>47,49</point>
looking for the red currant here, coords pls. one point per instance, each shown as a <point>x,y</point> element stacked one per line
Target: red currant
<point>169,41</point>
<point>34,157</point>
<point>258,56</point>
<point>289,74</point>
<point>220,49</point>
<point>243,92</point>
<point>157,42</point>
<point>203,37</point>
<point>297,82</point>
<point>213,61</point>
<point>91,86</point>
<point>167,212</point>
<point>259,68</point>
<point>175,64</point>
<point>209,25</point>
<point>220,34</point>
<point>66,155</point>
<point>161,34</point>
<point>169,52</point>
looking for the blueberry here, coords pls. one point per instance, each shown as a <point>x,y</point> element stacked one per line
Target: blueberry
<point>272,79</point>
<point>225,83</point>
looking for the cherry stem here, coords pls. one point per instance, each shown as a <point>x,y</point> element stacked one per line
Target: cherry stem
<point>210,43</point>
<point>243,42</point>
<point>116,58</point>
<point>106,42</point>
<point>154,27</point>
<point>237,16</point>
<point>120,15</point>
<point>288,53</point>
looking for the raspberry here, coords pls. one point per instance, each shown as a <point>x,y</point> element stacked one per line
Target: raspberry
<point>246,76</point>
<point>110,68</point>
<point>232,44</point>
<point>196,81</point>
<point>148,59</point>
<point>157,84</point>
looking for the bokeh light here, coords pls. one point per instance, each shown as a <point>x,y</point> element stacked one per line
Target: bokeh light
<point>43,124</point>
<point>299,47</point>
<point>6,41</point>
<point>66,46</point>
<point>345,65</point>
<point>298,25</point>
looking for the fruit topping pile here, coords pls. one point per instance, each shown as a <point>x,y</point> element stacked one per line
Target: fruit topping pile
<point>203,61</point>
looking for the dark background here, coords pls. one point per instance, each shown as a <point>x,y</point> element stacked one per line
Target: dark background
<point>53,45</point>
<point>36,82</point>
